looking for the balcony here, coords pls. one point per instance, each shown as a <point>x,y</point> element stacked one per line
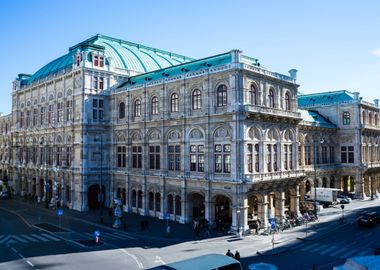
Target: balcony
<point>371,127</point>
<point>265,111</point>
<point>269,176</point>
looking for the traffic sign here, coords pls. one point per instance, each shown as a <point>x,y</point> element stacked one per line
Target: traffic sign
<point>60,212</point>
<point>97,233</point>
<point>273,224</point>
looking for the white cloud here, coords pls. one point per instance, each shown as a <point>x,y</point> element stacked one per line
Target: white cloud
<point>376,52</point>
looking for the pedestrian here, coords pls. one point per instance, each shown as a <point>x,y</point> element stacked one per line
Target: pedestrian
<point>229,253</point>
<point>168,231</point>
<point>237,256</point>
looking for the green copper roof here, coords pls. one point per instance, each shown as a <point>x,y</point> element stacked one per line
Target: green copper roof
<point>125,55</point>
<point>324,98</point>
<point>316,119</point>
<point>195,65</point>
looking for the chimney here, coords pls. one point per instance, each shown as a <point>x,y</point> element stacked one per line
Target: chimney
<point>356,95</point>
<point>376,101</point>
<point>293,74</point>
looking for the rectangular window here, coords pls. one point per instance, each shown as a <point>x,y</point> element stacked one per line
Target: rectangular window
<point>332,154</point>
<point>324,154</point>
<point>27,118</point>
<point>343,153</point>
<point>250,158</point>
<point>316,155</point>
<point>346,118</point>
<point>174,158</point>
<point>50,114</point>
<point>97,109</point>
<point>269,157</point>
<point>351,154</point>
<point>121,156</point>
<point>98,82</point>
<point>21,119</point>
<point>307,155</point>
<point>42,115</point>
<point>197,158</point>
<point>137,157</point>
<point>154,157</point>
<point>98,61</point>
<point>58,160</point>
<point>286,157</point>
<point>59,112</point>
<point>69,110</point>
<point>290,157</point>
<point>50,155</point>
<point>42,155</point>
<point>35,117</point>
<point>222,158</point>
<point>68,156</point>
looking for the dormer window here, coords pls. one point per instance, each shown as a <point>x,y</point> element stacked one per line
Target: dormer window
<point>78,59</point>
<point>98,61</point>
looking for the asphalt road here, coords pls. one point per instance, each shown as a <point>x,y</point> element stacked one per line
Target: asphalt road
<point>25,246</point>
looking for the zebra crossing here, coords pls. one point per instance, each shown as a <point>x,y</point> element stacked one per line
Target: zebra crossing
<point>333,250</point>
<point>48,237</point>
<point>28,238</point>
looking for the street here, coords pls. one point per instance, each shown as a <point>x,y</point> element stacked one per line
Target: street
<point>34,238</point>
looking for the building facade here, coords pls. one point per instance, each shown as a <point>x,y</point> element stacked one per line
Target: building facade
<point>220,138</point>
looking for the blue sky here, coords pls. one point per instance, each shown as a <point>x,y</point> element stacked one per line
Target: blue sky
<point>333,44</point>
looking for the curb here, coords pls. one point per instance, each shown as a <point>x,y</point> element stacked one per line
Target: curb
<point>272,252</point>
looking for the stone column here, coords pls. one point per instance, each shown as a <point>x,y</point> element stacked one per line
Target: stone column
<point>262,209</point>
<point>244,214</point>
<point>359,185</point>
<point>184,208</point>
<point>295,202</point>
<point>280,205</point>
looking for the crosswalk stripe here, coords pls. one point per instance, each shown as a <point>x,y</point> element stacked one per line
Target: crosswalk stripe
<point>125,235</point>
<point>29,238</point>
<point>338,251</point>
<point>1,236</point>
<point>318,248</point>
<point>109,236</point>
<point>39,237</point>
<point>348,253</point>
<point>309,247</point>
<point>19,239</point>
<point>50,237</point>
<point>327,250</point>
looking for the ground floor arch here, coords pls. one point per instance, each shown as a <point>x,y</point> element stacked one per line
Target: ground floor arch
<point>95,197</point>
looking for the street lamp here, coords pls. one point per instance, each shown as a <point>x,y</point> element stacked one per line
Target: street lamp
<point>322,140</point>
<point>101,195</point>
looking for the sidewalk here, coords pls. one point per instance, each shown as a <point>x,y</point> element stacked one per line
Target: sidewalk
<point>156,227</point>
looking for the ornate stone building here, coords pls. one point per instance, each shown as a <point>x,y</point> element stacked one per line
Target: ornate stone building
<point>220,138</point>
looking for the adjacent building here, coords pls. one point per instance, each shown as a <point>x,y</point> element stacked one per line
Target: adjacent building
<point>220,138</point>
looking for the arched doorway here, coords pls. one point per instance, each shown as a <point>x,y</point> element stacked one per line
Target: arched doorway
<point>332,182</point>
<point>94,196</point>
<point>223,210</point>
<point>198,206</point>
<point>324,182</point>
<point>252,206</point>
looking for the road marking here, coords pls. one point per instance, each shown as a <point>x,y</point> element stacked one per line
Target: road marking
<point>140,265</point>
<point>328,250</point>
<point>309,247</point>
<point>28,262</point>
<point>338,251</point>
<point>39,237</point>
<point>365,253</point>
<point>50,237</point>
<point>125,235</point>
<point>159,260</point>
<point>109,236</point>
<point>348,253</point>
<point>19,239</point>
<point>28,237</point>
<point>314,250</point>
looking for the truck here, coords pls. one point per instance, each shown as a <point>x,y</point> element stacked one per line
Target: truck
<point>326,196</point>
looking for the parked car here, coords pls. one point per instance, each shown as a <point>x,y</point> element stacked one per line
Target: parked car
<point>4,194</point>
<point>343,200</point>
<point>368,219</point>
<point>341,196</point>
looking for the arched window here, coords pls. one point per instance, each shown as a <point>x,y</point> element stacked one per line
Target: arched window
<point>196,100</point>
<point>271,98</point>
<point>346,118</point>
<point>121,110</point>
<point>287,102</point>
<point>174,102</point>
<point>154,106</point>
<point>253,95</point>
<point>370,118</point>
<point>137,107</point>
<point>221,93</point>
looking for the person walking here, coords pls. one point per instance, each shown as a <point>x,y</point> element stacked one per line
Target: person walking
<point>237,256</point>
<point>229,253</point>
